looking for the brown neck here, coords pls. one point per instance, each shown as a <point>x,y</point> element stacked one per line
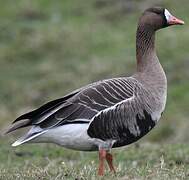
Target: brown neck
<point>145,48</point>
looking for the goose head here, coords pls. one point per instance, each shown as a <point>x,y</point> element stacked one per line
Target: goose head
<point>156,18</point>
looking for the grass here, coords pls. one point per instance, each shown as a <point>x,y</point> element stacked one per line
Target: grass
<point>140,161</point>
<point>48,48</point>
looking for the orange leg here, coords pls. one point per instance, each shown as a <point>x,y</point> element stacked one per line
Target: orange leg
<point>102,156</point>
<point>109,159</point>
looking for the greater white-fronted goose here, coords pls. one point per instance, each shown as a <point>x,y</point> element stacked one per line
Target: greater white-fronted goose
<point>109,113</point>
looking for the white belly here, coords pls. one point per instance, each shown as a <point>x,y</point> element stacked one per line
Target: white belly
<point>72,136</point>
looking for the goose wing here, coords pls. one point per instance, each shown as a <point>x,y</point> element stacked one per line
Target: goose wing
<point>126,121</point>
<point>79,106</point>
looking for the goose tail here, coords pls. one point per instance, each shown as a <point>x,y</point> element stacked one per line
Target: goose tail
<point>31,135</point>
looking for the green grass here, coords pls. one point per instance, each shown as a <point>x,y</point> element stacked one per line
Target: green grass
<point>140,161</point>
<point>48,48</point>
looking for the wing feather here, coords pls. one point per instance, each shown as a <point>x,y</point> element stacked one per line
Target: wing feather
<point>82,104</point>
<point>125,122</point>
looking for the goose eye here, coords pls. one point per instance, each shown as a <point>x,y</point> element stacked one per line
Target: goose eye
<point>158,12</point>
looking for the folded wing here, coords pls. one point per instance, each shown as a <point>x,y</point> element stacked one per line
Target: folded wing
<point>79,106</point>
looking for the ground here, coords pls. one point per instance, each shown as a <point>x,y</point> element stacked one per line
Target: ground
<point>138,161</point>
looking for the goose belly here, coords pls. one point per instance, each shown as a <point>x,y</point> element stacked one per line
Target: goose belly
<point>72,136</point>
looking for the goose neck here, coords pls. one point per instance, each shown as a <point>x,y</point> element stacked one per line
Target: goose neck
<point>145,47</point>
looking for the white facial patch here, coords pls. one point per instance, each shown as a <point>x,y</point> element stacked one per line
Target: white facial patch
<point>167,14</point>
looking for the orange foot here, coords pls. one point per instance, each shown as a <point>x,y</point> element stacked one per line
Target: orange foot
<point>109,158</point>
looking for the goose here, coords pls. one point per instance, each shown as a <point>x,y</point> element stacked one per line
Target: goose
<point>109,113</point>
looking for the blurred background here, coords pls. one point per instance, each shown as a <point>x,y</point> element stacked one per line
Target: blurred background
<point>49,48</point>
